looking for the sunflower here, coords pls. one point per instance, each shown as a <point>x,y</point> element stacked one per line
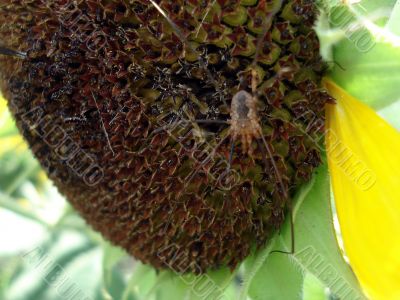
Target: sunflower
<point>361,150</point>
<point>360,147</point>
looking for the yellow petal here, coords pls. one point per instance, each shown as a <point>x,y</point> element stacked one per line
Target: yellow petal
<point>364,161</point>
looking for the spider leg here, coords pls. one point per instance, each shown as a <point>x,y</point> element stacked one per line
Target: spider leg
<point>225,174</point>
<point>249,139</point>
<point>254,82</point>
<point>211,121</point>
<point>164,128</point>
<point>292,236</point>
<point>10,52</point>
<point>183,121</point>
<point>277,174</point>
<point>263,154</point>
<point>231,154</point>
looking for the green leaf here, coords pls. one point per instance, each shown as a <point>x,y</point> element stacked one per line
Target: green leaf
<point>15,169</point>
<point>367,59</point>
<point>113,281</point>
<point>316,247</point>
<point>12,205</point>
<point>373,77</point>
<point>76,272</point>
<point>376,11</point>
<point>212,285</point>
<point>53,266</point>
<point>252,265</point>
<point>313,289</point>
<point>394,22</point>
<point>316,250</point>
<point>141,283</point>
<point>9,268</point>
<point>277,278</point>
<point>173,288</point>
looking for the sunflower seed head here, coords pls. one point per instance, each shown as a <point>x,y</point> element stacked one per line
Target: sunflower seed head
<point>104,96</point>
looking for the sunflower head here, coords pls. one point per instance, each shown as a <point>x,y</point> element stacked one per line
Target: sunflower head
<point>127,105</point>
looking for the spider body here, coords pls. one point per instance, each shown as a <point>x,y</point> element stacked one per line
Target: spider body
<point>244,122</point>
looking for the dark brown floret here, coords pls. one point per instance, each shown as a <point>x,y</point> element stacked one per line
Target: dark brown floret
<point>104,96</point>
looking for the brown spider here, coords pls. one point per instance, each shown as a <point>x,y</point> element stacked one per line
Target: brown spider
<point>244,122</point>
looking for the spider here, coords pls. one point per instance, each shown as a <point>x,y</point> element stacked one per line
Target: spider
<point>244,120</point>
<point>244,123</point>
